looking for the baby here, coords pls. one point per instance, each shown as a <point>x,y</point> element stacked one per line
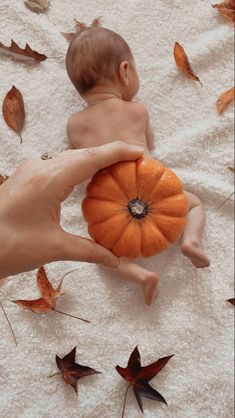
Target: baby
<point>101,66</point>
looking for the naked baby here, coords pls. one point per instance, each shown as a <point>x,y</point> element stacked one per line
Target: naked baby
<point>101,66</point>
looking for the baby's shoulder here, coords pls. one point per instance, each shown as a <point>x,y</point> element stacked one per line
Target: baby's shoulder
<point>139,110</point>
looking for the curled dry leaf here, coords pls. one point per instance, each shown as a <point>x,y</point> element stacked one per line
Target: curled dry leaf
<point>49,295</point>
<point>13,110</point>
<point>232,169</point>
<point>26,55</point>
<point>79,27</point>
<point>226,9</point>
<point>225,99</point>
<point>71,371</point>
<point>183,63</point>
<point>37,6</point>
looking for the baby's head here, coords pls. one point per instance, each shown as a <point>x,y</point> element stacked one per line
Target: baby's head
<point>100,57</point>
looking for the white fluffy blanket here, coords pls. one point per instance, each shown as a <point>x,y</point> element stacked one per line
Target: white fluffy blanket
<point>190,318</point>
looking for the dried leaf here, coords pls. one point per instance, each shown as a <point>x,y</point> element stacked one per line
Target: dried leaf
<point>96,22</point>
<point>232,301</point>
<point>224,100</point>
<point>27,55</point>
<point>69,36</point>
<point>232,169</point>
<point>139,376</point>
<point>71,371</point>
<point>13,110</point>
<point>183,63</point>
<point>37,6</point>
<point>2,180</point>
<point>226,9</point>
<point>80,26</point>
<point>49,295</point>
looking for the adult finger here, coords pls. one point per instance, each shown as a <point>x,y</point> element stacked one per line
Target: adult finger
<point>82,249</point>
<point>79,165</point>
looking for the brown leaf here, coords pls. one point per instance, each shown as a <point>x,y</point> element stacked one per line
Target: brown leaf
<point>2,281</point>
<point>71,371</point>
<point>3,179</point>
<point>26,55</point>
<point>69,36</point>
<point>49,295</point>
<point>47,302</point>
<point>224,100</point>
<point>13,110</point>
<point>226,9</point>
<point>80,26</point>
<point>183,63</point>
<point>37,6</point>
<point>232,169</point>
<point>232,301</point>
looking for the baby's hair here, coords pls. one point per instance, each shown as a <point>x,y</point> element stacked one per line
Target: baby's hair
<point>94,56</point>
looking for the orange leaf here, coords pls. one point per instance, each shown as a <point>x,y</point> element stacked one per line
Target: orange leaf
<point>226,9</point>
<point>48,293</point>
<point>183,63</point>
<point>26,55</point>
<point>37,305</point>
<point>224,100</point>
<point>13,110</point>
<point>69,35</point>
<point>2,281</point>
<point>47,302</point>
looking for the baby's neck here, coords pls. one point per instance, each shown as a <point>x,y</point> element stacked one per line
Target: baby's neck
<point>99,94</point>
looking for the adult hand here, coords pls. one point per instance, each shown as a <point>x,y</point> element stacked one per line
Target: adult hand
<point>30,206</point>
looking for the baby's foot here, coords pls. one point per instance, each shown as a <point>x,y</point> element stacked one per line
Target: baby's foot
<point>147,279</point>
<point>150,287</point>
<point>194,251</point>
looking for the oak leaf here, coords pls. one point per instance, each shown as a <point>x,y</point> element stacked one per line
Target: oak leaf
<point>226,9</point>
<point>183,63</point>
<point>49,295</point>
<point>232,169</point>
<point>138,377</point>
<point>79,27</point>
<point>37,6</point>
<point>71,371</point>
<point>13,110</point>
<point>26,55</point>
<point>224,100</point>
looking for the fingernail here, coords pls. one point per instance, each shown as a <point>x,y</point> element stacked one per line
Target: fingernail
<point>111,262</point>
<point>138,148</point>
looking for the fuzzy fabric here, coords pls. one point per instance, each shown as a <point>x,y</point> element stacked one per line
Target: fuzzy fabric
<point>190,318</point>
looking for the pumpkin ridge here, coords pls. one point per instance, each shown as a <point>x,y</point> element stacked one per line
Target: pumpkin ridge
<point>109,217</point>
<point>162,213</point>
<point>153,221</point>
<point>121,233</point>
<point>123,191</point>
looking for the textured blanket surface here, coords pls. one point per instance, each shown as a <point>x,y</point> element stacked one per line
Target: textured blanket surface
<point>190,318</point>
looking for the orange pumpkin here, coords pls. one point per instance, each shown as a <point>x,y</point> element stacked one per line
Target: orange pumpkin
<point>135,208</point>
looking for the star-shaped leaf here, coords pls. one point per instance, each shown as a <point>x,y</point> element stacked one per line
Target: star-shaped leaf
<point>139,377</point>
<point>71,371</point>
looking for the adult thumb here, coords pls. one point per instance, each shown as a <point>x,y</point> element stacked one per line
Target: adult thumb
<point>77,248</point>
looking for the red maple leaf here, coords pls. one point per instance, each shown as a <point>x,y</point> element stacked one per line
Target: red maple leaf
<point>71,371</point>
<point>139,377</point>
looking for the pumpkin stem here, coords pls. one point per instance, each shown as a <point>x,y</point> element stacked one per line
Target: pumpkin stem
<point>137,208</point>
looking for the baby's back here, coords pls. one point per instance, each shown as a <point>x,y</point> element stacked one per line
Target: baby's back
<point>108,121</point>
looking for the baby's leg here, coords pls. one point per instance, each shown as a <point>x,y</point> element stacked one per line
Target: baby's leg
<point>195,222</point>
<point>127,270</point>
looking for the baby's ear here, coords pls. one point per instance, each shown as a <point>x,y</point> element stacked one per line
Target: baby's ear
<point>124,72</point>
